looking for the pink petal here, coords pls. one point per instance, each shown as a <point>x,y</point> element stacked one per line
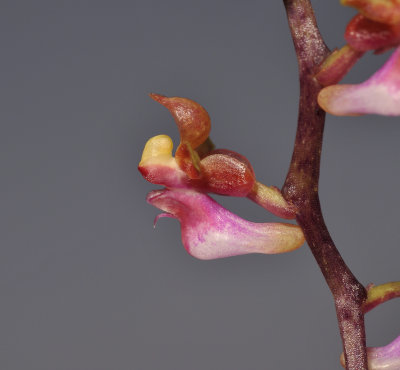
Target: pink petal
<point>210,231</point>
<point>380,94</point>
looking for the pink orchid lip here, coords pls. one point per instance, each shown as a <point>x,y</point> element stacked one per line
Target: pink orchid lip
<point>210,231</point>
<point>380,94</point>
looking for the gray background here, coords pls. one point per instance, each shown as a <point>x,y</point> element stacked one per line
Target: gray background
<point>85,281</point>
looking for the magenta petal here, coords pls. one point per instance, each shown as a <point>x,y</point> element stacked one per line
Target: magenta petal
<point>210,231</point>
<point>380,94</point>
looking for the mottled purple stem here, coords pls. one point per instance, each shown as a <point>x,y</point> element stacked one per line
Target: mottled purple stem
<point>301,186</point>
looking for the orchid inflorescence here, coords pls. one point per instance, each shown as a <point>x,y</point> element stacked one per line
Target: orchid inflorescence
<point>376,27</point>
<point>209,230</point>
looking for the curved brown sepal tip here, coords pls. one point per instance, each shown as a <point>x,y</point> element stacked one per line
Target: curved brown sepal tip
<point>157,97</point>
<point>192,119</point>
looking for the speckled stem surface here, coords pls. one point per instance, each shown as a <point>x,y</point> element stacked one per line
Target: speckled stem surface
<point>301,186</point>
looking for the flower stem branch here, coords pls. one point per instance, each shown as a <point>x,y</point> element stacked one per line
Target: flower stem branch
<point>301,186</point>
<point>378,294</point>
<point>337,65</point>
<point>270,198</point>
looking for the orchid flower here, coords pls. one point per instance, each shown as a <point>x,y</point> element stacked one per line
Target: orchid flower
<point>380,94</point>
<point>382,358</point>
<point>209,230</point>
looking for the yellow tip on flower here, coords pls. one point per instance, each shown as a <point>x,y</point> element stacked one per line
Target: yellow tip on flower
<point>159,146</point>
<point>158,166</point>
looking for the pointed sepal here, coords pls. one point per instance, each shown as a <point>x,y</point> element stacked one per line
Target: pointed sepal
<point>192,119</point>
